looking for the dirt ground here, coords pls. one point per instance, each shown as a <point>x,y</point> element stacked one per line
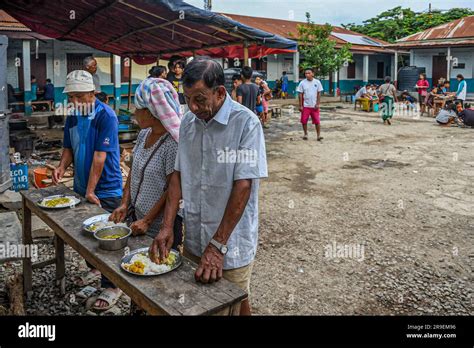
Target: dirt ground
<point>401,194</point>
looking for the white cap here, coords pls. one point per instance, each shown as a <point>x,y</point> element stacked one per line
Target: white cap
<point>79,81</point>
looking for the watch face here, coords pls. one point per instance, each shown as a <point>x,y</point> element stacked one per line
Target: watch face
<point>224,249</point>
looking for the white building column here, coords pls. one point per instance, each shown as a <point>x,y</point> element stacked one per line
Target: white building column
<point>448,72</point>
<point>335,76</point>
<point>412,57</point>
<point>26,63</point>
<point>296,66</point>
<point>117,82</point>
<point>365,70</point>
<point>395,68</point>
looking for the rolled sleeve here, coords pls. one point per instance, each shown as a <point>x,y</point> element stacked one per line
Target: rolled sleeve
<point>253,163</point>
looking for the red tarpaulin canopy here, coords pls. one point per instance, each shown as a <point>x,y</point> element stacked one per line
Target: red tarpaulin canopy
<point>146,30</point>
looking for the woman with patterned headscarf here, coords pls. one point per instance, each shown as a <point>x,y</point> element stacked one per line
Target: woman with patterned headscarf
<point>157,114</point>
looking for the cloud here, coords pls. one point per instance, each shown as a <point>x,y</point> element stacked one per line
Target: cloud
<point>331,11</point>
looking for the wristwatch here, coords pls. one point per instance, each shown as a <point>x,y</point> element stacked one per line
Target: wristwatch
<point>221,247</point>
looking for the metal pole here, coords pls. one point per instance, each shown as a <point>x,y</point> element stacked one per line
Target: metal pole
<point>130,86</point>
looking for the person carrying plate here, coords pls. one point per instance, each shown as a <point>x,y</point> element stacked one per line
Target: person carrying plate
<point>221,157</point>
<point>158,115</point>
<point>91,143</point>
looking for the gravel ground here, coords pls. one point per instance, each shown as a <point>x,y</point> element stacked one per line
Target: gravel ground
<point>400,196</point>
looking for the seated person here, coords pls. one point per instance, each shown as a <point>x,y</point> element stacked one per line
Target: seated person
<point>447,115</point>
<point>408,100</point>
<point>48,90</point>
<point>466,116</point>
<point>363,97</point>
<point>430,97</point>
<point>372,92</point>
<point>363,92</point>
<point>445,88</point>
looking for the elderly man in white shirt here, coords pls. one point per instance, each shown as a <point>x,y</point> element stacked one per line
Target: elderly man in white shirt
<point>221,157</point>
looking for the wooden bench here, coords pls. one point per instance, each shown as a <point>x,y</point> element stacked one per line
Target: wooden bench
<point>174,293</point>
<point>50,103</point>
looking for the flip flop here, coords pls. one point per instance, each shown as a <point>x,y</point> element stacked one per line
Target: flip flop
<point>88,278</point>
<point>109,296</point>
<point>86,292</point>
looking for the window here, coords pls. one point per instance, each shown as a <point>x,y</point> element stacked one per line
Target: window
<point>351,71</point>
<point>380,70</point>
<point>460,66</point>
<point>75,61</point>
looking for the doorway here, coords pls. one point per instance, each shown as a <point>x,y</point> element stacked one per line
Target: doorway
<point>440,67</point>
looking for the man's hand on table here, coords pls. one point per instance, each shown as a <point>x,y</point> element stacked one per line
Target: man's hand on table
<point>119,214</point>
<point>161,245</point>
<point>210,267</point>
<point>140,227</point>
<point>58,174</point>
<point>91,197</point>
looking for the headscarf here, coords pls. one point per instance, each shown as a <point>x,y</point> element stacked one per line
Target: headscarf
<point>160,97</point>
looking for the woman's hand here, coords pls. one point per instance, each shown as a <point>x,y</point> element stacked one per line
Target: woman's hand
<point>119,214</point>
<point>140,227</point>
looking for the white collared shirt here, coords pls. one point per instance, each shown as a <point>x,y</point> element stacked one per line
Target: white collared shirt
<point>211,156</point>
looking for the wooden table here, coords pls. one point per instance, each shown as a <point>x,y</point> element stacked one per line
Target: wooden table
<point>174,293</point>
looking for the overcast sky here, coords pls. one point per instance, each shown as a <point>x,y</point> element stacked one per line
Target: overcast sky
<point>334,12</point>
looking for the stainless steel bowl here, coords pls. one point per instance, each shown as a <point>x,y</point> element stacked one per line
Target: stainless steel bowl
<point>113,244</point>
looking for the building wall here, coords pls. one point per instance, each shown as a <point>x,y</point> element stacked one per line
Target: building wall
<point>424,58</point>
<point>284,62</point>
<point>56,65</point>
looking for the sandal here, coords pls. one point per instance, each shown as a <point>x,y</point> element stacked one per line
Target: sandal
<point>305,137</point>
<point>109,296</point>
<point>86,292</point>
<point>88,278</point>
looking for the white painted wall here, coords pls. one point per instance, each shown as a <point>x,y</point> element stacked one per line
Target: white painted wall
<point>276,66</point>
<point>59,49</point>
<point>424,58</point>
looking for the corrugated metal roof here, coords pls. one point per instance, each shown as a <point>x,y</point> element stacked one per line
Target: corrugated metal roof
<point>8,23</point>
<point>289,29</point>
<point>458,32</point>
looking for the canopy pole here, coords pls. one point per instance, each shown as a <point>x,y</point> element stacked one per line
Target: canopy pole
<point>130,86</point>
<point>246,54</point>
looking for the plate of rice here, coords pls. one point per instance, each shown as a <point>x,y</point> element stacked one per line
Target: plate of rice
<point>139,263</point>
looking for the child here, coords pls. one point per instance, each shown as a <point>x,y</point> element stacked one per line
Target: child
<point>408,100</point>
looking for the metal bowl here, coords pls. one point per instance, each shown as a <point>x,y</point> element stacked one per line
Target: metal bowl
<point>113,244</point>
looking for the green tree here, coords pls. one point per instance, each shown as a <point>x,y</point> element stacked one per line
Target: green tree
<point>318,51</point>
<point>399,22</point>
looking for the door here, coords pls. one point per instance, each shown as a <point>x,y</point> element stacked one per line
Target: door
<point>440,67</point>
<point>38,70</point>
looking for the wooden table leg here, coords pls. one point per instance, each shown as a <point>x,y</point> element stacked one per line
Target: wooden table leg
<point>27,240</point>
<point>60,264</point>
